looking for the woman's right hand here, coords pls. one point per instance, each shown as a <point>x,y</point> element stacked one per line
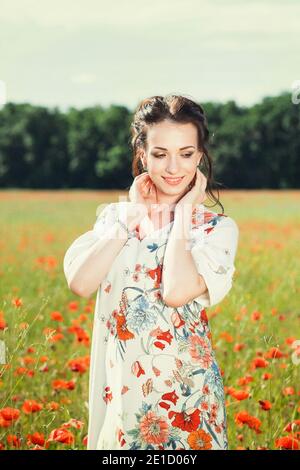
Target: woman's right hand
<point>142,194</point>
<point>143,190</point>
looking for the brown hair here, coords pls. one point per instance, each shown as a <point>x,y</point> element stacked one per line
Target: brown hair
<point>175,108</point>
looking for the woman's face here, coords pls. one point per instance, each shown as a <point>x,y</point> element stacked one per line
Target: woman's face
<point>172,153</point>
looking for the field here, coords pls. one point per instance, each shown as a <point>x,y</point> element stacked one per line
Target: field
<point>46,330</point>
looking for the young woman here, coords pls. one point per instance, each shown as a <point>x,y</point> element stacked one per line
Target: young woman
<point>156,262</point>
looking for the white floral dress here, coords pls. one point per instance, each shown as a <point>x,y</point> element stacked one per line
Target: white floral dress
<point>154,381</point>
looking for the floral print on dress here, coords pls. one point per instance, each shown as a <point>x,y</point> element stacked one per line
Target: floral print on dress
<point>192,414</point>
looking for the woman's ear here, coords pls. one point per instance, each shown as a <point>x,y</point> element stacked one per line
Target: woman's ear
<point>143,159</point>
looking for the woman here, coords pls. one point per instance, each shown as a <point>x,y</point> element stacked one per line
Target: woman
<point>157,262</point>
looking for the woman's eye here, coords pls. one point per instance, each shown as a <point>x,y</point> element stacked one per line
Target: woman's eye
<point>185,155</point>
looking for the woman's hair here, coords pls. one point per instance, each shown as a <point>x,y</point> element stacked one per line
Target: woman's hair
<point>175,108</point>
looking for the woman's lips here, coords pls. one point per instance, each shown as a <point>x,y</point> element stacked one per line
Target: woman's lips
<point>173,181</point>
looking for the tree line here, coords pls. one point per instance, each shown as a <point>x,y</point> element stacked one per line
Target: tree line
<point>256,147</point>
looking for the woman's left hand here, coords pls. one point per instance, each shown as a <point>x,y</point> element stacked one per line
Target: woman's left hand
<point>196,195</point>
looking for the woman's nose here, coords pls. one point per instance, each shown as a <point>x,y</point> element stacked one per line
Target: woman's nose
<point>172,168</point>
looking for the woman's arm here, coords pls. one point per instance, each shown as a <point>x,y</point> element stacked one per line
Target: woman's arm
<point>181,281</point>
<point>90,257</point>
<point>89,268</point>
<point>202,272</point>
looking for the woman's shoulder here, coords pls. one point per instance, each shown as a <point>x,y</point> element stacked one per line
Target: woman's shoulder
<point>208,219</point>
<point>105,214</point>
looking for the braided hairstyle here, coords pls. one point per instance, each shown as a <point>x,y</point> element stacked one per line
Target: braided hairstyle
<point>175,108</point>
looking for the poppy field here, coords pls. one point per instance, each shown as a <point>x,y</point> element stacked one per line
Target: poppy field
<point>46,330</point>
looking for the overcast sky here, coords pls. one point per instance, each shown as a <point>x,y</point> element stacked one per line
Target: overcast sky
<point>87,52</point>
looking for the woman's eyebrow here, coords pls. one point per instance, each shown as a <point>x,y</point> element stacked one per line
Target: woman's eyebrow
<point>182,148</point>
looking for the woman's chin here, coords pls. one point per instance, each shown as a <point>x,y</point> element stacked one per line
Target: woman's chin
<point>171,190</point>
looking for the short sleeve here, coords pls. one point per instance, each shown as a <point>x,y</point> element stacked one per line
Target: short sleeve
<point>104,221</point>
<point>214,254</point>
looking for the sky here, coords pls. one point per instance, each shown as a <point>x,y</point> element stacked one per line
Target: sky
<point>84,53</point>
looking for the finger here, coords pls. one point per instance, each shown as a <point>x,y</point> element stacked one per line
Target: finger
<point>142,175</point>
<point>144,181</point>
<point>203,183</point>
<point>152,187</point>
<point>199,184</point>
<point>141,183</point>
<point>140,179</point>
<point>147,185</point>
<point>148,193</point>
<point>144,190</point>
<point>197,179</point>
<point>200,178</point>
